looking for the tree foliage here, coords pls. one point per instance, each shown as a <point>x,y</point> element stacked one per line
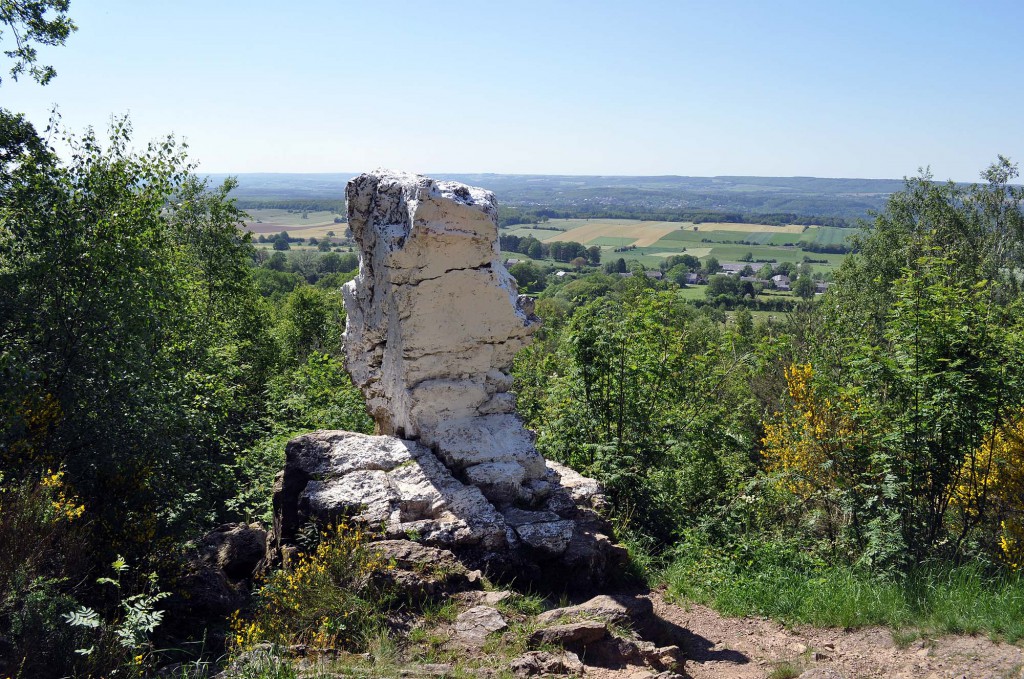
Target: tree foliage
<point>29,23</point>
<point>918,373</point>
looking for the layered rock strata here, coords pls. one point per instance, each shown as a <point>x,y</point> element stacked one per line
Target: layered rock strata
<point>434,322</point>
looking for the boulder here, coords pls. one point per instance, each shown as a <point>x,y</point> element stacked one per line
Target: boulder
<point>542,662</point>
<point>382,481</point>
<point>619,609</point>
<point>475,598</point>
<point>474,624</point>
<point>572,635</point>
<point>617,652</point>
<point>215,580</point>
<point>235,548</point>
<point>821,673</point>
<point>424,572</point>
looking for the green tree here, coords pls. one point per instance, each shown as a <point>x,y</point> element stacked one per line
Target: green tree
<point>128,325</point>
<point>306,263</point>
<point>629,391</point>
<point>535,250</point>
<point>528,276</point>
<point>917,369</point>
<point>804,287</point>
<point>277,262</point>
<point>28,23</point>
<point>690,262</point>
<point>744,321</point>
<point>312,322</point>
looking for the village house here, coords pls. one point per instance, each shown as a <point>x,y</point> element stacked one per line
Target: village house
<point>732,268</point>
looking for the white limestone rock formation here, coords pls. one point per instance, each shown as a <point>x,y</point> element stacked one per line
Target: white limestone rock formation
<point>382,481</point>
<point>434,322</point>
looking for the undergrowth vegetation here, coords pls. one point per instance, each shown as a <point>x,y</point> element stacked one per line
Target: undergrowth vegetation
<point>333,596</point>
<point>149,383</point>
<point>859,462</point>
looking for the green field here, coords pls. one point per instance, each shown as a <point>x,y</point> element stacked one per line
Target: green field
<point>524,230</point>
<point>611,241</point>
<point>692,292</point>
<point>759,237</point>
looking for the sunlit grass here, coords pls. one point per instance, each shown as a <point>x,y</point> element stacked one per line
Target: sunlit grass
<point>950,600</point>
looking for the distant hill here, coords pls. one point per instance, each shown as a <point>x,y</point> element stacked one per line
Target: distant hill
<point>646,197</point>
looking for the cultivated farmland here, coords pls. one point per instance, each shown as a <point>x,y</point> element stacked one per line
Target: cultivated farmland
<point>636,233</point>
<point>314,223</point>
<point>651,242</point>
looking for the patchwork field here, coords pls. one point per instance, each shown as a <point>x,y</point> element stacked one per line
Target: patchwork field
<point>651,242</point>
<point>539,234</point>
<point>632,232</point>
<point>315,224</point>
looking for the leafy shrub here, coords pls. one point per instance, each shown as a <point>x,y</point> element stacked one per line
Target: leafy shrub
<point>43,538</point>
<point>331,597</point>
<point>317,394</point>
<point>120,643</point>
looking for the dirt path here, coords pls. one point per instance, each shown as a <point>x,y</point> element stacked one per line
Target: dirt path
<point>752,648</point>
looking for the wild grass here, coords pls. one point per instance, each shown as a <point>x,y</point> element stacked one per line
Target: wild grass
<point>522,604</point>
<point>962,600</point>
<point>785,670</point>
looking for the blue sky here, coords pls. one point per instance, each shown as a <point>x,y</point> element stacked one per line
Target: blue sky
<point>838,89</point>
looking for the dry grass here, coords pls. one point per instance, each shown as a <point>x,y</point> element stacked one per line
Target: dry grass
<point>640,234</point>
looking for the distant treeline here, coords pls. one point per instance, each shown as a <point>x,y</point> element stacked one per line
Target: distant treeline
<point>298,204</point>
<point>775,304</point>
<point>558,251</point>
<point>830,248</point>
<point>510,216</point>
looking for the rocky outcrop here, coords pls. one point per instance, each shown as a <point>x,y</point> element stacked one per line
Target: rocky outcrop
<point>385,482</point>
<point>434,322</point>
<point>402,490</point>
<point>536,663</point>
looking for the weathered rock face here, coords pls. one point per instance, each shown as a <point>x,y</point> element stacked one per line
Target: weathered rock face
<point>382,481</point>
<point>434,322</point>
<point>401,487</point>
